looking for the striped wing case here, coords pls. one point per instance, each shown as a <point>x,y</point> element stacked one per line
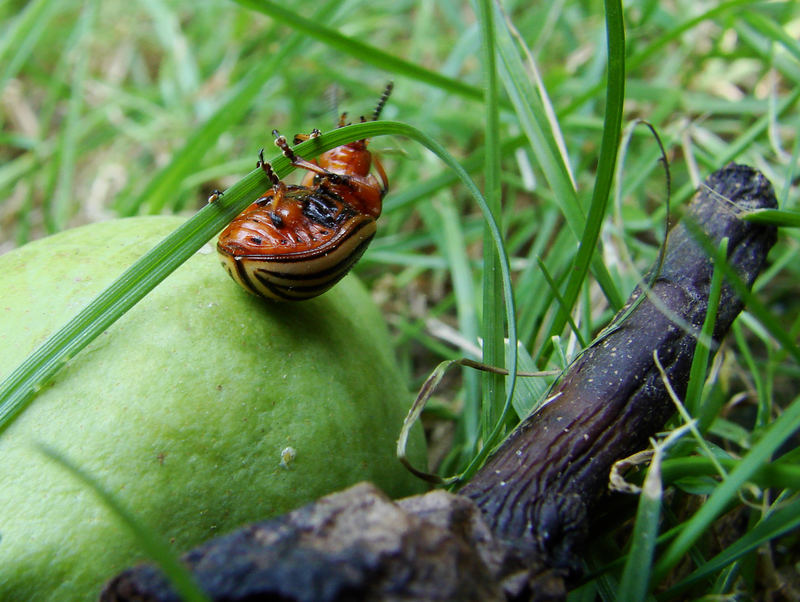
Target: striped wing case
<point>296,248</point>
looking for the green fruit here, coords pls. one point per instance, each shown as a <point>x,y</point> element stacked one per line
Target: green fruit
<point>181,409</point>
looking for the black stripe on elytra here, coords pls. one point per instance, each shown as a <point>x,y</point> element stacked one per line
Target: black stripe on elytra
<point>336,273</point>
<point>344,264</point>
<point>243,276</point>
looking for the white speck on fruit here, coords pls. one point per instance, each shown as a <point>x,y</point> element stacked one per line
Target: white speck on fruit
<point>288,454</point>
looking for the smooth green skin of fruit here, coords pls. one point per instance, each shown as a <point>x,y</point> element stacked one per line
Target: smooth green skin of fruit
<point>182,408</point>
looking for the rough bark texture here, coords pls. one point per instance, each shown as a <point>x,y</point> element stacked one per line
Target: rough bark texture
<point>355,544</point>
<point>515,531</point>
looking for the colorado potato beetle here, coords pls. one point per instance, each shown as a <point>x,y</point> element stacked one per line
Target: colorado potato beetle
<point>297,241</point>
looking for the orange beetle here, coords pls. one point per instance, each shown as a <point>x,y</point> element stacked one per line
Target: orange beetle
<point>296,242</point>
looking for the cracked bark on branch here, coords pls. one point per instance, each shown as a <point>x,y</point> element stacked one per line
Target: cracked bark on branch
<point>514,531</point>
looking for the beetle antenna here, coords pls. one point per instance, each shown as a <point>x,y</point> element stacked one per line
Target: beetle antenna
<point>384,97</point>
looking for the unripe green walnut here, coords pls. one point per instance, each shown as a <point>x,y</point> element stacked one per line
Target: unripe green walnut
<point>184,409</point>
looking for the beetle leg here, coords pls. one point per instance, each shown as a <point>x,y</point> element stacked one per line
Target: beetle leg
<point>298,138</point>
<point>278,193</point>
<point>280,142</point>
<point>278,189</point>
<point>267,168</point>
<point>277,198</point>
<point>327,176</point>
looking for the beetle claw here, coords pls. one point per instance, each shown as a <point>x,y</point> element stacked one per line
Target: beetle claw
<point>215,194</point>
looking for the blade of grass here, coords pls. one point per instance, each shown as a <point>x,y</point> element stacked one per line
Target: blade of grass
<point>697,374</point>
<point>360,50</point>
<point>635,579</point>
<point>59,207</point>
<point>156,548</point>
<point>453,246</point>
<point>542,134</point>
<point>761,454</point>
<point>539,130</point>
<point>497,240</point>
<point>782,474</point>
<point>774,217</point>
<point>554,290</point>
<point>612,127</point>
<point>761,379</point>
<point>546,106</point>
<point>771,30</point>
<point>492,327</point>
<point>763,44</point>
<point>782,521</point>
